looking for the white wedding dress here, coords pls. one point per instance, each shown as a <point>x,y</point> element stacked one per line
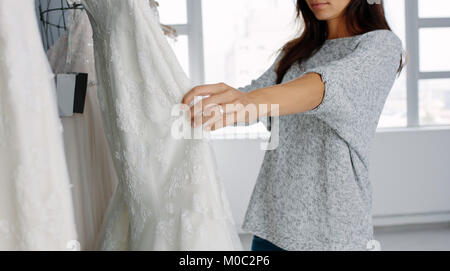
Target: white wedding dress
<point>35,202</point>
<point>89,161</point>
<point>169,196</point>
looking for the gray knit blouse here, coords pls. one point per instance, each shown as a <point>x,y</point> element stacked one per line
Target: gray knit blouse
<point>313,191</point>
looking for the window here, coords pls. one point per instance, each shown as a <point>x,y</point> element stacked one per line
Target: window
<point>428,76</point>
<point>434,101</point>
<point>235,41</point>
<point>395,110</point>
<point>241,40</point>
<point>185,16</point>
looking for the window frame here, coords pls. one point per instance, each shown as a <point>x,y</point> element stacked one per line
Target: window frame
<point>413,25</point>
<point>193,29</point>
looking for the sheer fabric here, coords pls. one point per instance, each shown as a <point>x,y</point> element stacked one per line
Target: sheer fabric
<point>89,161</point>
<point>169,196</point>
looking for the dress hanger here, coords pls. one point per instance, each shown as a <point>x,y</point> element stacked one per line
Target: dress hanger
<point>53,29</point>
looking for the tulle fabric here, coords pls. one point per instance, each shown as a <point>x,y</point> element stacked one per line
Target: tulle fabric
<point>89,160</point>
<point>169,196</point>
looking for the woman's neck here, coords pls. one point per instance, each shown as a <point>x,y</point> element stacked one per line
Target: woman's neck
<point>337,28</point>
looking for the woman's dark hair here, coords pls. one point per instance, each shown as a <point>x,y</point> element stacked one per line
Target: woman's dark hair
<point>361,17</point>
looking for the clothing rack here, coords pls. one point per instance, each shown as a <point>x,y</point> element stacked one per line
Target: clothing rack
<point>53,19</point>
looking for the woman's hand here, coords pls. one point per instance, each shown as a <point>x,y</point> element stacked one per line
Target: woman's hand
<point>225,106</point>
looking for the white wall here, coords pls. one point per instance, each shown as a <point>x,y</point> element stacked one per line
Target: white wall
<point>410,172</point>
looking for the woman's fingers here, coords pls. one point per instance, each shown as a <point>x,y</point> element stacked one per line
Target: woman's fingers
<point>205,90</point>
<point>225,97</point>
<point>212,116</point>
<point>204,108</point>
<point>217,113</point>
<point>213,111</point>
<point>225,106</point>
<point>233,113</point>
<point>223,121</point>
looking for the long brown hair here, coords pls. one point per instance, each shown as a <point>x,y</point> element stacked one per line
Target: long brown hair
<point>361,17</point>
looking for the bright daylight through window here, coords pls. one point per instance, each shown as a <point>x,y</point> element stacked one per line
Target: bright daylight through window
<point>240,40</point>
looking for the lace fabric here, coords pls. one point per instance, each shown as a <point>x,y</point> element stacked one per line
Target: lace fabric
<point>169,195</point>
<point>36,210</point>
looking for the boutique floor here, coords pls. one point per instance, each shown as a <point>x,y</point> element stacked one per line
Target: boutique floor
<point>435,237</point>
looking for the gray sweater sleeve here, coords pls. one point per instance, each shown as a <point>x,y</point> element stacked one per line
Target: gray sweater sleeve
<point>357,86</point>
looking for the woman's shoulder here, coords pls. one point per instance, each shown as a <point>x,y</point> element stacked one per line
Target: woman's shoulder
<point>381,37</point>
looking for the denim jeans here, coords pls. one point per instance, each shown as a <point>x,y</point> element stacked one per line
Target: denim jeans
<point>260,244</point>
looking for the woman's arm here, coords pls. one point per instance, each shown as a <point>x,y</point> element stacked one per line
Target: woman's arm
<point>348,94</point>
<point>294,97</point>
<point>298,96</point>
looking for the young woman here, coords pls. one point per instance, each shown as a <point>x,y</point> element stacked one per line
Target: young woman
<point>331,84</point>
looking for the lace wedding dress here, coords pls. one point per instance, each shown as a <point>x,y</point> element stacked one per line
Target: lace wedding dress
<point>35,201</point>
<point>168,197</point>
<point>89,161</point>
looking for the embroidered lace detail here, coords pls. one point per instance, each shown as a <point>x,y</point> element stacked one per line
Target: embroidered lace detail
<point>36,211</point>
<point>170,197</point>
